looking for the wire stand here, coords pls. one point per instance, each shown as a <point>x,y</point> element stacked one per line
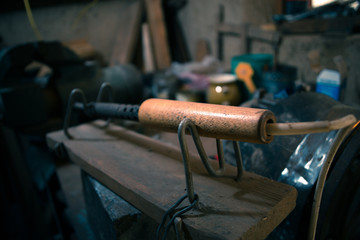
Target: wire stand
<point>187,124</point>
<point>77,95</point>
<point>77,100</point>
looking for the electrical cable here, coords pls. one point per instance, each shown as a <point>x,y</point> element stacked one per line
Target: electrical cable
<point>83,12</point>
<point>278,129</point>
<point>32,21</point>
<point>177,214</point>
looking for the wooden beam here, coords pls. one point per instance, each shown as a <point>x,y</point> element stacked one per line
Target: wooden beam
<point>249,31</point>
<point>344,25</point>
<point>279,6</point>
<point>148,52</point>
<point>128,33</point>
<point>155,18</point>
<point>149,174</point>
<point>227,28</point>
<point>256,33</point>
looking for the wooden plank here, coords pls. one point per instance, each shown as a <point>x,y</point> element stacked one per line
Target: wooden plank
<point>85,50</point>
<point>128,33</point>
<point>338,24</point>
<point>257,33</point>
<point>158,31</point>
<point>249,31</point>
<point>202,49</point>
<point>81,47</point>
<point>235,29</point>
<point>238,30</point>
<point>148,52</point>
<point>149,174</point>
<point>279,6</point>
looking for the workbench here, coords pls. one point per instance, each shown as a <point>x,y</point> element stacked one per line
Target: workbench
<point>149,174</point>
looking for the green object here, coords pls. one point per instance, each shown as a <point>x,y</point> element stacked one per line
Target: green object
<point>259,62</point>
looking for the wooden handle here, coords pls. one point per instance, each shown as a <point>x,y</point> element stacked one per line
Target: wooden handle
<point>217,121</point>
<point>229,122</point>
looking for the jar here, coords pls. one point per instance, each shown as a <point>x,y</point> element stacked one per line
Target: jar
<point>223,89</point>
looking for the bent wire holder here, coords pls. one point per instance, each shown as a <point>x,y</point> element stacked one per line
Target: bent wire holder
<point>188,124</point>
<point>78,95</point>
<point>77,99</point>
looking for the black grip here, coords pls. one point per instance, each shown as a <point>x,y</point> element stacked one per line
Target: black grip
<point>110,110</point>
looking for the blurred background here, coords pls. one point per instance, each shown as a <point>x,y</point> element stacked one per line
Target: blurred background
<point>283,55</point>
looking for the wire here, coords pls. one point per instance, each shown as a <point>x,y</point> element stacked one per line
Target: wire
<point>32,21</point>
<point>36,29</point>
<point>83,12</point>
<point>170,211</point>
<point>278,129</point>
<point>178,214</point>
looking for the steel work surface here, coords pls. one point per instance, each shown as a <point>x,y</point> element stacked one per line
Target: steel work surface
<point>149,174</point>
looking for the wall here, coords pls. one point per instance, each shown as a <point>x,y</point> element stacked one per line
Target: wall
<point>199,19</point>
<point>98,25</point>
<point>295,48</point>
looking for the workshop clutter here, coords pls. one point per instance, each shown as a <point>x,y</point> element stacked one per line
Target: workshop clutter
<point>207,81</point>
<point>36,79</point>
<point>110,104</point>
<point>29,97</point>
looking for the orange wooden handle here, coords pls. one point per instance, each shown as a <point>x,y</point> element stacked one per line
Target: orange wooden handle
<point>217,121</point>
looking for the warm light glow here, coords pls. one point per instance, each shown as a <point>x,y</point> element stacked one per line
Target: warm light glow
<point>218,89</point>
<point>318,3</point>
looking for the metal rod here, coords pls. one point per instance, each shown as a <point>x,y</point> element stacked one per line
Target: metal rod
<point>188,124</point>
<point>238,159</point>
<point>200,148</point>
<point>185,155</point>
<point>74,96</point>
<point>220,151</point>
<point>105,90</point>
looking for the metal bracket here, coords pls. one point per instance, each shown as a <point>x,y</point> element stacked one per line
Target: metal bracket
<point>187,124</point>
<point>74,96</point>
<point>105,89</point>
<point>78,95</point>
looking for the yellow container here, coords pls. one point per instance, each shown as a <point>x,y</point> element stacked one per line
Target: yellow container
<point>223,89</point>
